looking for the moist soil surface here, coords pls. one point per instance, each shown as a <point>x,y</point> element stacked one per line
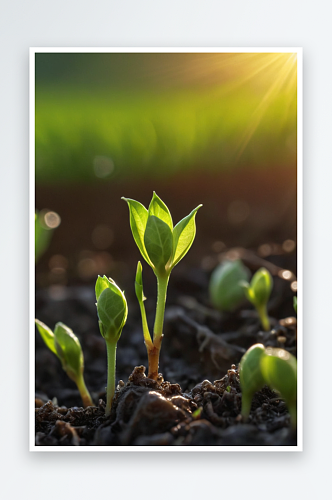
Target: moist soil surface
<point>196,400</point>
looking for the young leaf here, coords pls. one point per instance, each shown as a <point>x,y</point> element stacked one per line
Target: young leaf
<point>102,283</point>
<point>69,350</point>
<point>47,335</point>
<point>226,292</point>
<point>251,376</point>
<point>158,242</point>
<point>138,221</point>
<point>261,284</point>
<point>158,208</point>
<point>112,311</point>
<point>183,236</point>
<point>139,284</point>
<point>295,304</point>
<point>279,369</point>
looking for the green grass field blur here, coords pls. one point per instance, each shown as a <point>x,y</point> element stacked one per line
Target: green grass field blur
<point>241,114</point>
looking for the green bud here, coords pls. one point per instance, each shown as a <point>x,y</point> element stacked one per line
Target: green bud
<point>258,293</point>
<point>111,307</point>
<point>295,304</point>
<point>279,369</point>
<point>69,351</point>
<point>161,245</point>
<point>139,284</point>
<point>226,292</point>
<point>259,290</point>
<point>251,376</point>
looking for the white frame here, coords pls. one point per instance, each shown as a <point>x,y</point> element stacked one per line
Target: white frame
<point>295,50</point>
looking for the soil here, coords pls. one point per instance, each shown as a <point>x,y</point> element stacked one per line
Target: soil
<point>197,399</point>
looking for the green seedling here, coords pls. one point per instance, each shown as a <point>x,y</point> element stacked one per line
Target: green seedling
<point>162,246</point>
<point>279,369</point>
<point>274,367</point>
<point>258,293</point>
<point>226,293</point>
<point>295,304</point>
<point>112,313</point>
<point>251,377</point>
<point>66,346</point>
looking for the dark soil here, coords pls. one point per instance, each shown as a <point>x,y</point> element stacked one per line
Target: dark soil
<point>201,345</point>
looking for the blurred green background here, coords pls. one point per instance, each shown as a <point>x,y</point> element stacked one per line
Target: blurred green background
<point>211,128</point>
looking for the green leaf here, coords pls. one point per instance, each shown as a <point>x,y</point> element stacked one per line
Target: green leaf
<point>69,350</point>
<point>47,335</point>
<point>279,368</point>
<point>261,286</point>
<point>138,221</point>
<point>139,284</point>
<point>295,304</point>
<point>112,311</point>
<point>158,208</point>
<point>251,376</point>
<point>158,242</point>
<point>226,291</point>
<point>183,236</point>
<point>102,283</point>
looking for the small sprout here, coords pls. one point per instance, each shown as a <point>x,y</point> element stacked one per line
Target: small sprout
<point>66,346</point>
<point>112,312</point>
<point>258,293</point>
<point>162,246</point>
<point>274,367</point>
<point>279,369</point>
<point>228,388</point>
<point>251,377</point>
<point>226,292</point>
<point>295,304</point>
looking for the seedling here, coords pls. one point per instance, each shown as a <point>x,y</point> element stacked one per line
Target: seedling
<point>274,367</point>
<point>279,369</point>
<point>112,313</point>
<point>66,346</point>
<point>162,246</point>
<point>226,293</point>
<point>295,304</point>
<point>251,377</point>
<point>258,293</point>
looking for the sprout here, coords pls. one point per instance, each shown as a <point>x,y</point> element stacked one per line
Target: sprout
<point>251,377</point>
<point>162,246</point>
<point>274,367</point>
<point>279,369</point>
<point>226,292</point>
<point>258,293</point>
<point>112,312</point>
<point>295,304</point>
<point>66,346</point>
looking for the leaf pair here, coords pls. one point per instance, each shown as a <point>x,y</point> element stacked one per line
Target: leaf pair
<point>111,307</point>
<point>161,245</point>
<point>274,367</point>
<point>259,289</point>
<point>66,346</point>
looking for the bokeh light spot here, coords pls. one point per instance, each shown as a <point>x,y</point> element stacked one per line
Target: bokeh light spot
<point>103,166</point>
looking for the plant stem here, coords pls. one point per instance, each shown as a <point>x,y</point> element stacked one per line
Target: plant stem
<point>85,395</point>
<point>154,352</point>
<point>264,318</point>
<point>111,361</point>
